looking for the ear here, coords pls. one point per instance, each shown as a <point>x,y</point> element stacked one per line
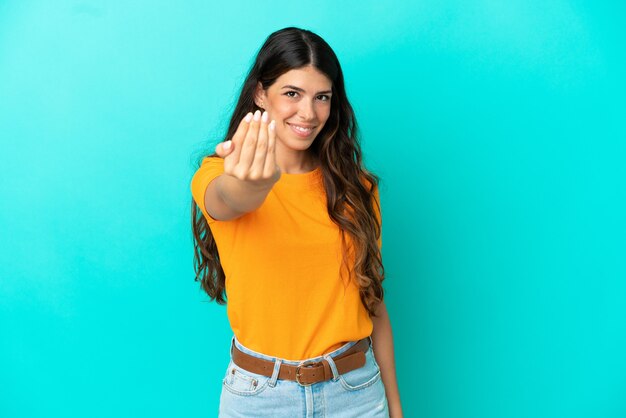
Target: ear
<point>259,96</point>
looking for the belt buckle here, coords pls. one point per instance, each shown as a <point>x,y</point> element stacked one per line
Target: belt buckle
<point>298,367</point>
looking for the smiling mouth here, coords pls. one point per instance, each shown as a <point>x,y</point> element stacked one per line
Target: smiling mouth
<point>301,131</point>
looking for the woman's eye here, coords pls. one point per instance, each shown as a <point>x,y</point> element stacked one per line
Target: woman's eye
<point>322,97</point>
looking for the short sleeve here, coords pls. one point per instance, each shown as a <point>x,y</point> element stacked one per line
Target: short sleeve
<point>210,168</point>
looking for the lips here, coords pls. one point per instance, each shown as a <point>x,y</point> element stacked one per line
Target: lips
<point>302,130</point>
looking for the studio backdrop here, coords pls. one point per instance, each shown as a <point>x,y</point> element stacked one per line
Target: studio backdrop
<point>497,129</point>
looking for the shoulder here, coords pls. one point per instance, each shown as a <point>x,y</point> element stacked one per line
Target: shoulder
<point>211,160</point>
<point>210,164</point>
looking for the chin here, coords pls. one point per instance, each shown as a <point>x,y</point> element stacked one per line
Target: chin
<point>298,144</point>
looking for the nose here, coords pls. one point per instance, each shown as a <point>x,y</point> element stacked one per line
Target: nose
<point>306,111</point>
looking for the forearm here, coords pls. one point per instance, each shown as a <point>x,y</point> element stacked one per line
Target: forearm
<point>240,195</point>
<point>383,351</point>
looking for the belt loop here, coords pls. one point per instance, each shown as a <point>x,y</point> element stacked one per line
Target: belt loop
<point>333,367</point>
<point>274,377</point>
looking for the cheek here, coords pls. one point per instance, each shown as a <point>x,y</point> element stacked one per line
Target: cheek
<point>324,114</point>
<point>281,110</point>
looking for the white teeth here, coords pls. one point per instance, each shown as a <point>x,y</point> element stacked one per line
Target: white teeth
<point>303,130</point>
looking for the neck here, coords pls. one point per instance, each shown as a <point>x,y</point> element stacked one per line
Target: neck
<point>294,161</point>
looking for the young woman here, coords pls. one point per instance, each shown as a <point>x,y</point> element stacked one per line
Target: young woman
<point>286,223</point>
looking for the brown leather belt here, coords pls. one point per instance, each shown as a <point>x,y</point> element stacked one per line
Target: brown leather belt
<point>305,373</point>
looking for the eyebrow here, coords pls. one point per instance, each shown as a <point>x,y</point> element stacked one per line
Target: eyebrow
<point>301,90</point>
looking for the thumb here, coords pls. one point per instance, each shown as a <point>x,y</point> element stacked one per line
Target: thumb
<point>224,148</point>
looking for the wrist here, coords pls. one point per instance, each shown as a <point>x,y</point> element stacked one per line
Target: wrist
<point>395,410</point>
<point>242,196</point>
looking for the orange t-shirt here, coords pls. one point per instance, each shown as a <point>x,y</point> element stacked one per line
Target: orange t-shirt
<point>282,261</point>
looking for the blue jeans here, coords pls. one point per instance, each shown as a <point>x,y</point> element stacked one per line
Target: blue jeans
<point>358,393</point>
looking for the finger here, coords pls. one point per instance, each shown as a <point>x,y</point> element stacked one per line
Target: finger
<point>231,160</point>
<point>224,148</point>
<point>239,137</point>
<point>258,163</point>
<point>270,159</point>
<point>248,146</point>
<point>240,133</point>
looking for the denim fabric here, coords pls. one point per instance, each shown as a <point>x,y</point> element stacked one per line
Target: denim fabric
<point>358,393</point>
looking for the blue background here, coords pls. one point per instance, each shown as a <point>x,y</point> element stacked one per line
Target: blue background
<point>498,130</point>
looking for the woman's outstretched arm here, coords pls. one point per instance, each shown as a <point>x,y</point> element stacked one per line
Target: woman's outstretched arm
<point>250,169</point>
<point>383,351</point>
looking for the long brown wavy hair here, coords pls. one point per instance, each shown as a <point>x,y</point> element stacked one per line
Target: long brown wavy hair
<point>348,184</point>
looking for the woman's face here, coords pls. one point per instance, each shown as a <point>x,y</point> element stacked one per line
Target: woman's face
<point>299,102</point>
